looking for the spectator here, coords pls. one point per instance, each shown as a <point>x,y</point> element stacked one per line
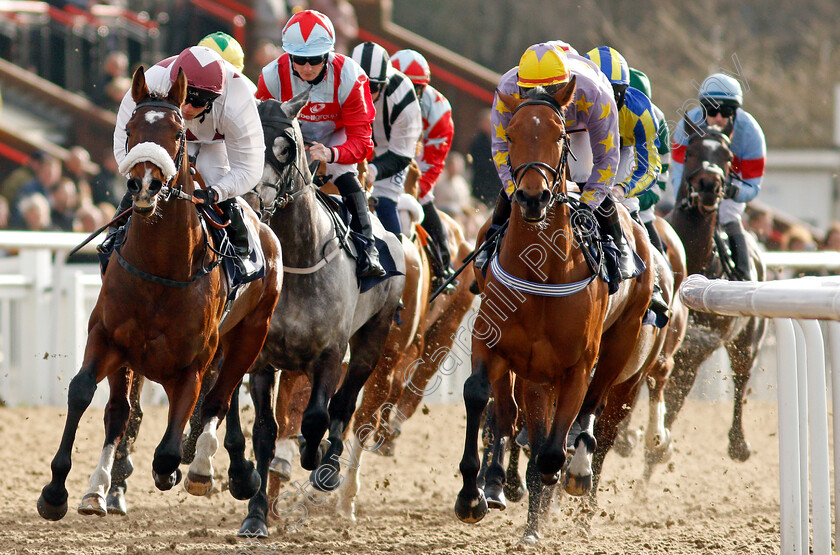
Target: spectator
<point>22,175</point>
<point>46,178</point>
<point>79,168</point>
<point>114,83</point>
<point>485,180</point>
<point>761,225</point>
<point>343,16</point>
<point>453,191</point>
<point>798,239</point>
<point>107,210</point>
<point>35,213</point>
<point>4,213</point>
<point>87,219</point>
<point>267,25</point>
<point>64,200</point>
<point>265,53</point>
<point>831,242</point>
<point>108,185</point>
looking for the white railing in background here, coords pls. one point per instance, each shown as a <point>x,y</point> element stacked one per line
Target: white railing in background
<point>801,389</point>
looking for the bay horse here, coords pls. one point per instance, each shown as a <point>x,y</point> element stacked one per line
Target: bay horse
<point>160,314</point>
<point>708,162</point>
<point>551,342</point>
<point>320,313</point>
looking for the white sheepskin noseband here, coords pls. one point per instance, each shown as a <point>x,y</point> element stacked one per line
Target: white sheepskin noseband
<point>149,152</point>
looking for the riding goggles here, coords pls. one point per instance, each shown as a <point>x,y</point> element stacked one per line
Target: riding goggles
<point>725,111</point>
<point>311,60</point>
<point>199,98</point>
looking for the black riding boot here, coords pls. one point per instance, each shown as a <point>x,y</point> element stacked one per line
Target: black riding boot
<point>501,214</point>
<point>440,259</point>
<point>653,235</point>
<point>740,250</point>
<point>657,302</point>
<point>607,215</point>
<point>237,234</point>
<point>351,192</point>
<point>108,243</point>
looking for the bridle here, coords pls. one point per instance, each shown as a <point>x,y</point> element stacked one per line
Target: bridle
<point>273,126</point>
<point>706,166</point>
<point>177,192</point>
<point>553,176</point>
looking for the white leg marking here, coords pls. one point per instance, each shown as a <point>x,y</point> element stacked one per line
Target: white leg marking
<point>205,447</point>
<point>100,479</point>
<point>656,434</point>
<point>284,449</point>
<point>581,465</point>
<point>352,483</point>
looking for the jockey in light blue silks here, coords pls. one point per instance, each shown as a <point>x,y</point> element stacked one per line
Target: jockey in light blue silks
<point>721,98</point>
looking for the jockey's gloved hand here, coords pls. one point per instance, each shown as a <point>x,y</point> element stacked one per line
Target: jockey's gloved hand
<point>732,190</point>
<point>207,196</point>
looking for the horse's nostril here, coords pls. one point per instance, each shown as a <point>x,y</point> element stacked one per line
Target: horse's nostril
<point>134,185</point>
<point>545,197</point>
<point>155,186</point>
<point>519,196</point>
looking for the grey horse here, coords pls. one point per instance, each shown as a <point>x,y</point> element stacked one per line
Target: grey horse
<point>320,312</point>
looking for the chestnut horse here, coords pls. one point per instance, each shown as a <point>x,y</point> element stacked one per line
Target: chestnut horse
<point>160,314</point>
<point>548,321</point>
<point>694,218</point>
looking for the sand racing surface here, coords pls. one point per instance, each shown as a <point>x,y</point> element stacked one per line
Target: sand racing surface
<point>700,503</point>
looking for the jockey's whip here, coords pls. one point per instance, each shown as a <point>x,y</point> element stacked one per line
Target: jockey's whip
<point>484,246</point>
<point>98,231</point>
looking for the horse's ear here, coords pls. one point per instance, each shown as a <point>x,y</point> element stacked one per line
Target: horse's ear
<point>178,91</point>
<point>294,105</point>
<point>509,100</point>
<point>139,90</point>
<point>564,95</point>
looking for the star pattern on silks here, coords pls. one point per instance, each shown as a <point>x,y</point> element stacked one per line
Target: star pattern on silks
<point>501,107</point>
<point>605,110</point>
<point>606,174</point>
<point>500,132</point>
<point>500,158</point>
<point>541,49</point>
<point>582,105</point>
<point>609,142</point>
<point>309,23</point>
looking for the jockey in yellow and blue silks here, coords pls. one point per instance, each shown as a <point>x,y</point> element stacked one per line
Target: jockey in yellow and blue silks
<point>639,165</point>
<point>648,199</point>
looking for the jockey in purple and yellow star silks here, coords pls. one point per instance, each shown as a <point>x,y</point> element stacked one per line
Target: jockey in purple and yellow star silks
<point>592,109</point>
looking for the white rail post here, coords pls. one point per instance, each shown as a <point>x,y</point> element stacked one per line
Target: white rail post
<point>789,473</point>
<point>834,341</point>
<point>818,436</point>
<point>800,371</point>
<point>36,329</point>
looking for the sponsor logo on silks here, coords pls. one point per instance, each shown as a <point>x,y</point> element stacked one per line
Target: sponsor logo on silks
<point>315,108</point>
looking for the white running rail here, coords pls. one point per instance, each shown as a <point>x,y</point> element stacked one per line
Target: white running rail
<point>795,305</point>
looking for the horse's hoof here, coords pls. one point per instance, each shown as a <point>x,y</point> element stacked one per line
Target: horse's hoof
<point>55,509</point>
<point>312,460</point>
<point>196,484</point>
<point>550,479</point>
<point>167,482</point>
<point>253,527</point>
<point>281,468</point>
<point>244,489</point>
<point>93,504</point>
<point>515,493</point>
<point>625,443</point>
<point>739,451</point>
<point>471,510</point>
<point>530,538</point>
<point>495,497</point>
<point>577,485</point>
<point>325,478</point>
<point>115,501</point>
